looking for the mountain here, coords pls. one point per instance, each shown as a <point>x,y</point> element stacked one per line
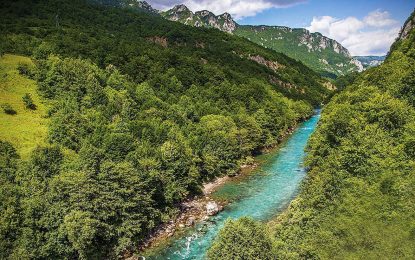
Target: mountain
<point>181,13</point>
<point>324,55</point>
<point>370,61</point>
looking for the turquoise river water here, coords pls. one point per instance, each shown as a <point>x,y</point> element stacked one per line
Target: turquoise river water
<point>261,195</point>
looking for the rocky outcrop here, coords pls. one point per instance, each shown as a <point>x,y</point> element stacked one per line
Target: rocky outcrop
<point>358,64</point>
<point>212,208</point>
<point>316,42</point>
<point>145,6</point>
<point>159,40</point>
<point>407,27</point>
<point>273,65</point>
<point>370,61</point>
<point>181,13</point>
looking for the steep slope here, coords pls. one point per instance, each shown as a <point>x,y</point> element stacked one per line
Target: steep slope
<point>27,128</point>
<point>358,200</point>
<point>141,6</point>
<point>142,112</point>
<point>320,53</point>
<point>324,55</point>
<point>194,53</point>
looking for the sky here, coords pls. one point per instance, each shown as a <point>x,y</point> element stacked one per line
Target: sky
<point>364,27</point>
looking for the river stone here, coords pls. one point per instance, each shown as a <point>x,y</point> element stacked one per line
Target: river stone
<point>190,221</point>
<point>212,208</point>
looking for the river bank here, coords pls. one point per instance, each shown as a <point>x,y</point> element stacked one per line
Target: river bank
<point>261,196</point>
<point>194,210</point>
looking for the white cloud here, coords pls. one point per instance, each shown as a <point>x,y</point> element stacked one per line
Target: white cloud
<point>237,8</point>
<point>379,19</point>
<point>372,35</point>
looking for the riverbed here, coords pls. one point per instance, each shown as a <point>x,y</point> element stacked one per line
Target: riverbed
<point>261,195</point>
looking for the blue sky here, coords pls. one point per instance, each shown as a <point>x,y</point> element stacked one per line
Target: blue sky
<point>300,15</point>
<point>364,27</point>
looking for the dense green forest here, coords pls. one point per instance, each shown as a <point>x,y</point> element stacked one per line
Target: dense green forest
<point>358,201</point>
<point>318,52</point>
<point>140,111</point>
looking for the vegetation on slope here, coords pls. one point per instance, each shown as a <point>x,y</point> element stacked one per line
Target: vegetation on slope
<point>358,199</point>
<point>149,110</point>
<point>27,128</point>
<point>144,46</point>
<point>324,55</point>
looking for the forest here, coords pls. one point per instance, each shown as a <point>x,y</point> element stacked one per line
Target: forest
<point>357,201</point>
<point>139,114</point>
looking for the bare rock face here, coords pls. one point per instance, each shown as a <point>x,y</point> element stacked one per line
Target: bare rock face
<point>408,26</point>
<point>270,64</point>
<point>212,208</point>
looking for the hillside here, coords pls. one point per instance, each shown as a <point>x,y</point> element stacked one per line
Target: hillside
<point>141,112</point>
<point>26,128</point>
<point>324,55</point>
<point>140,6</point>
<point>358,199</point>
<point>193,53</point>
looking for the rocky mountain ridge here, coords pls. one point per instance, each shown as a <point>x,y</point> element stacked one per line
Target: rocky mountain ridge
<point>321,53</point>
<point>370,61</point>
<point>317,51</point>
<point>180,13</point>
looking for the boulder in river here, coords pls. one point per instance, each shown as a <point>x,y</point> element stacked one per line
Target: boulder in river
<point>212,208</point>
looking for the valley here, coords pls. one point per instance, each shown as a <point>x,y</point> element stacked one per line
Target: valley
<point>163,130</point>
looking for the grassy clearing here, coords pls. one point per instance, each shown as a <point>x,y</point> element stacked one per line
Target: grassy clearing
<point>27,128</point>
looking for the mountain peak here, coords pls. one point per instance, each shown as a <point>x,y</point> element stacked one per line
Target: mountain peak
<point>180,8</point>
<point>320,53</point>
<point>146,6</point>
<point>205,13</point>
<point>226,16</point>
<point>204,18</point>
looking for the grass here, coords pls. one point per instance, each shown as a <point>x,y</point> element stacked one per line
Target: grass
<point>27,128</point>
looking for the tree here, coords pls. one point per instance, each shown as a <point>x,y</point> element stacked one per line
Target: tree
<point>9,204</point>
<point>8,109</point>
<point>28,101</point>
<point>242,239</point>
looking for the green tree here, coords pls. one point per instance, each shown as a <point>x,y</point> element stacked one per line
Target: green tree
<point>28,101</point>
<point>242,239</point>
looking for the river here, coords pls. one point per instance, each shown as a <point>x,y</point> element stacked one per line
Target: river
<point>261,195</point>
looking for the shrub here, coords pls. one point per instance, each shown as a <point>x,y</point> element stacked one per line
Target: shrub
<point>28,101</point>
<point>8,109</point>
<point>25,70</point>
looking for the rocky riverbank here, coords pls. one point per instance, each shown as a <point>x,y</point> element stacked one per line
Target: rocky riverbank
<point>200,208</point>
